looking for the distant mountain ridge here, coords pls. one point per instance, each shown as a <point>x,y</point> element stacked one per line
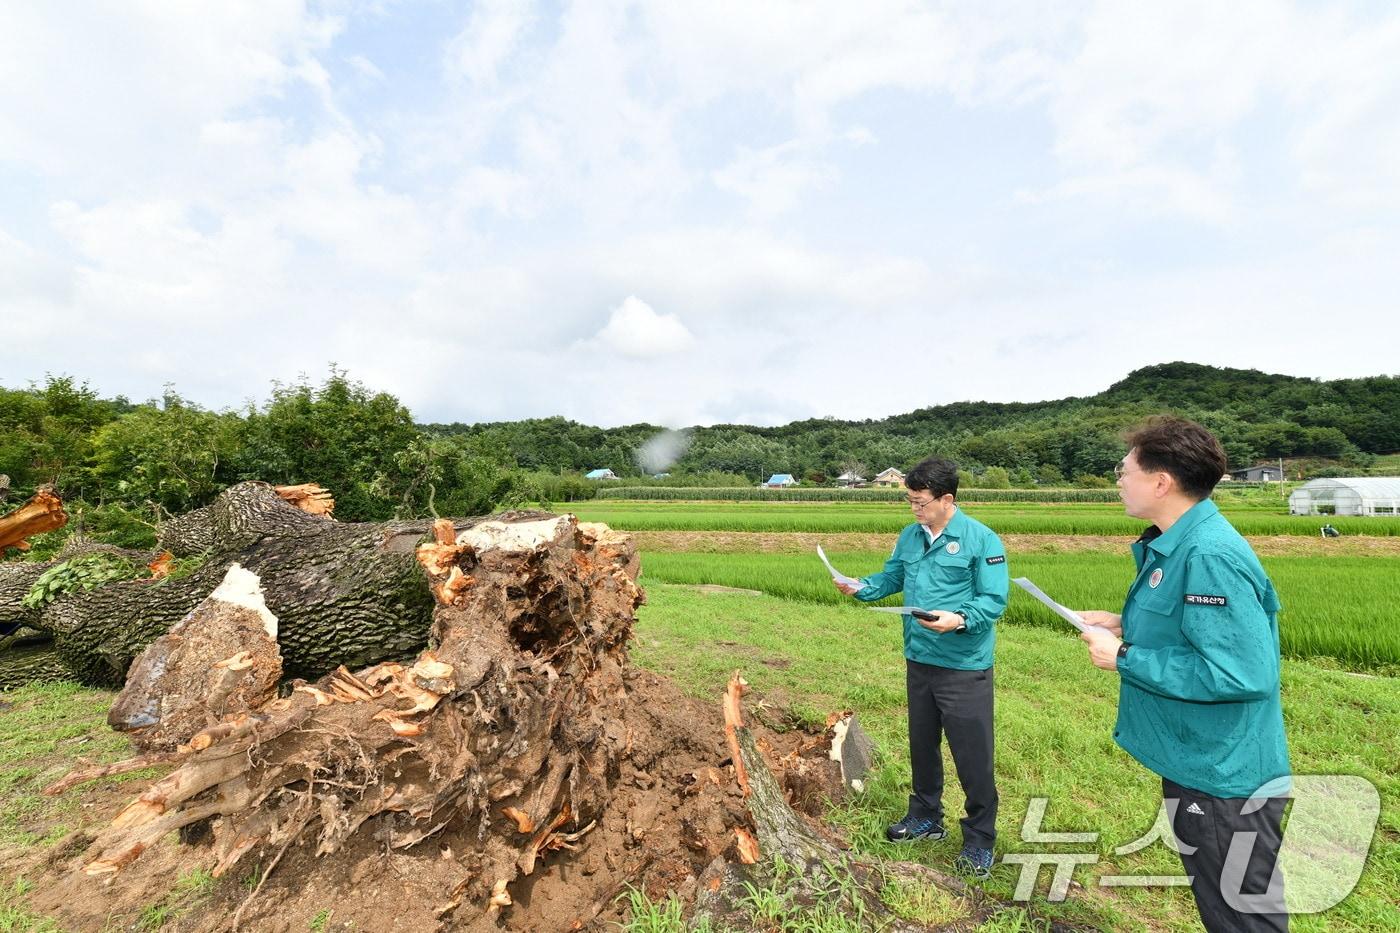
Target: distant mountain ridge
<point>1256,415</point>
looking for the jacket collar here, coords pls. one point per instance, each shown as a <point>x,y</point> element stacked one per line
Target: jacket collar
<point>1164,542</point>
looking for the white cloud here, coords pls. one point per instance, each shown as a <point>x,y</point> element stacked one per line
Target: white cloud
<point>635,330</point>
<point>797,185</point>
<point>775,179</point>
<point>491,35</point>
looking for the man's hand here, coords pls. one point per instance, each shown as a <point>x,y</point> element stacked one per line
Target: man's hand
<point>942,622</point>
<point>1107,620</point>
<point>1103,648</point>
<point>848,590</point>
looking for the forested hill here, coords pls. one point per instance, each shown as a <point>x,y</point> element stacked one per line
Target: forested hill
<point>1257,415</point>
<point>131,463</point>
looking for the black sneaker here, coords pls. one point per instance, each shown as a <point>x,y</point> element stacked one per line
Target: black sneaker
<point>974,861</point>
<point>915,827</point>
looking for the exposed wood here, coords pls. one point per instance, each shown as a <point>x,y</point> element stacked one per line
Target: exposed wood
<point>219,662</point>
<point>733,722</point>
<point>83,775</point>
<point>43,512</point>
<point>309,497</point>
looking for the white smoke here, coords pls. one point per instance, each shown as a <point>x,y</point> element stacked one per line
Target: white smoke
<point>662,450</point>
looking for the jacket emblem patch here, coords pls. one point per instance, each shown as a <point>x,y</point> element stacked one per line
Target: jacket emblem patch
<point>1199,600</point>
<point>1001,559</point>
<point>1155,579</point>
<point>954,547</point>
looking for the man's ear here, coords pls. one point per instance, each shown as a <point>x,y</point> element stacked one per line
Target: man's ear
<point>1166,484</point>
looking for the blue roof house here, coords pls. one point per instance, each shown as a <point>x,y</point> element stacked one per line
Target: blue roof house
<point>779,480</point>
<point>600,474</point>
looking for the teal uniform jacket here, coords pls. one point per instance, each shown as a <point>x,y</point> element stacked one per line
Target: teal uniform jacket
<point>964,571</point>
<point>1199,701</point>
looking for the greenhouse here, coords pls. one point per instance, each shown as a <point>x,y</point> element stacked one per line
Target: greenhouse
<point>1367,495</point>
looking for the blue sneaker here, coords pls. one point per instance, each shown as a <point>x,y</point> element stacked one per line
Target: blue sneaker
<point>974,861</point>
<point>915,827</point>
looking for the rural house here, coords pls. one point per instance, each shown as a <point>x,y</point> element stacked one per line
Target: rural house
<point>890,477</point>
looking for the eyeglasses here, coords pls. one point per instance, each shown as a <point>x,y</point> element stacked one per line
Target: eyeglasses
<point>1120,472</point>
<point>919,503</point>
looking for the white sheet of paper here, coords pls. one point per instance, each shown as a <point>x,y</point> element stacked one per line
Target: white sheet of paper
<point>1069,615</point>
<point>837,575</point>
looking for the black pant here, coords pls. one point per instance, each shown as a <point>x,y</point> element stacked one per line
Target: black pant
<point>959,703</point>
<point>1211,824</point>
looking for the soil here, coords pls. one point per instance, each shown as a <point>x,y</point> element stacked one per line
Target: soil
<point>674,810</point>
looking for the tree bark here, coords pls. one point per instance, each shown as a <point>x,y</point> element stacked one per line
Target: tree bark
<point>350,593</point>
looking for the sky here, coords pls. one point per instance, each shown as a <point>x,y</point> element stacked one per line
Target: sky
<point>694,212</point>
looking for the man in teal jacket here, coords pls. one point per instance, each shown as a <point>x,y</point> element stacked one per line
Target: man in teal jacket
<point>954,567</point>
<point>1197,653</point>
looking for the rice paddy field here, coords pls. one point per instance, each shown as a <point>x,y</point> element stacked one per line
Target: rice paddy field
<point>1063,518</point>
<point>1342,606</point>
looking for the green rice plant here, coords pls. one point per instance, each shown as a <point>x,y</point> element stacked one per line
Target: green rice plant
<point>1006,518</point>
<point>828,494</point>
<point>1330,605</point>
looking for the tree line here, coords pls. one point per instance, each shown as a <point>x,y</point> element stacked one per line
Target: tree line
<point>131,463</point>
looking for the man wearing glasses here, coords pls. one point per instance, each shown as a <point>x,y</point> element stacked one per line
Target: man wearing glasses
<point>1197,655</point>
<point>954,567</point>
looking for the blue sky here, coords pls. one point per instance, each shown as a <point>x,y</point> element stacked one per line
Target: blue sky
<point>693,213</point>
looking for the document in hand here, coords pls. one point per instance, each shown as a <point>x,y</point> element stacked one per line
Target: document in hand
<point>1069,615</point>
<point>837,575</point>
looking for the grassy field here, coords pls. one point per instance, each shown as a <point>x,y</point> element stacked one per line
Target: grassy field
<point>1330,605</point>
<point>1054,719</point>
<point>1054,723</point>
<point>1072,518</point>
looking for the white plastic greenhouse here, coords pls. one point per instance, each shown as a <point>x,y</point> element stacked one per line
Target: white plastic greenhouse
<point>1365,495</point>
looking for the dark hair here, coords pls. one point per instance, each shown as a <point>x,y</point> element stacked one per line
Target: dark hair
<point>1190,453</point>
<point>935,474</point>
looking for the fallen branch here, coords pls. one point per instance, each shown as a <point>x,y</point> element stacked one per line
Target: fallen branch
<point>83,775</point>
<point>43,512</point>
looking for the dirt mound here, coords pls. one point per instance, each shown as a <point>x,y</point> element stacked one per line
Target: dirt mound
<point>675,809</point>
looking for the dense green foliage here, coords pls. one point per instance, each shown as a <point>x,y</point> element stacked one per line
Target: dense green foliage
<point>86,572</point>
<point>1257,415</point>
<point>123,466</point>
<point>120,467</point>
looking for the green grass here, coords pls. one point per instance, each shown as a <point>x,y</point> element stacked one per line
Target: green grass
<point>45,728</point>
<point>1332,606</point>
<point>1069,518</point>
<point>1055,715</point>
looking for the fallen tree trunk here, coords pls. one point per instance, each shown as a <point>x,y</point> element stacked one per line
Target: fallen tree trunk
<point>351,593</point>
<point>43,512</point>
